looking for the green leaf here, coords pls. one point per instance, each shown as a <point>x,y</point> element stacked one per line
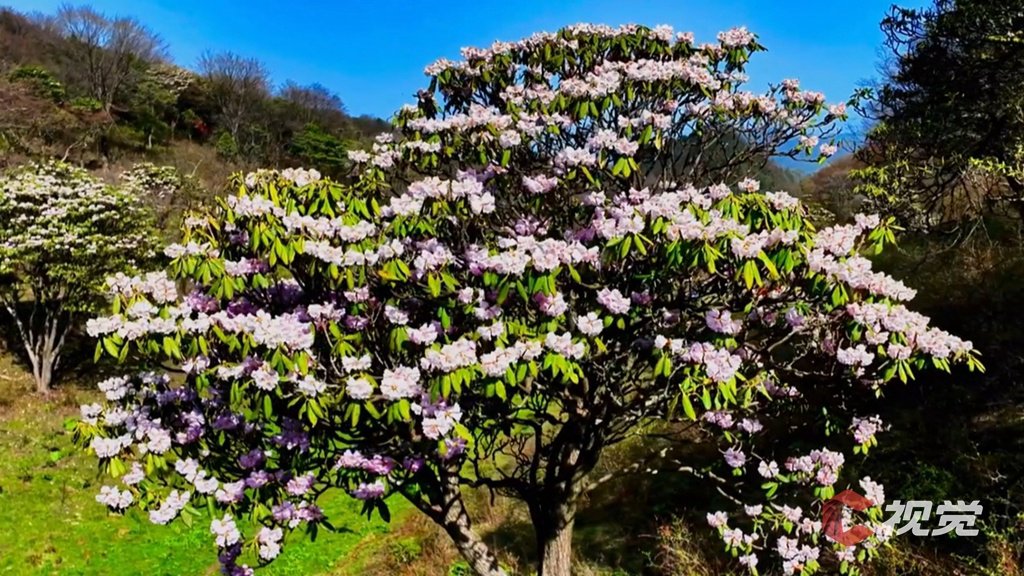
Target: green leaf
<point>688,407</point>
<point>111,348</point>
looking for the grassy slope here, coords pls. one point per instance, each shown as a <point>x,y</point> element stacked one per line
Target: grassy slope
<point>50,523</point>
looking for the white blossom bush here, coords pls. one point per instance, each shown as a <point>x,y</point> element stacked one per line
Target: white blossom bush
<point>62,234</point>
<point>166,191</point>
<point>558,250</point>
<point>148,179</point>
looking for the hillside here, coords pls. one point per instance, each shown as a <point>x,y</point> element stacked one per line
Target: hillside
<point>100,91</point>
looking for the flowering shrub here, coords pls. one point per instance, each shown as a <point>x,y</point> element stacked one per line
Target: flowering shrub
<point>63,232</point>
<point>146,178</point>
<point>166,191</point>
<point>551,255</point>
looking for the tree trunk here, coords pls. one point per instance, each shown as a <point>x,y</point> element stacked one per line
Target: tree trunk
<point>44,355</point>
<point>43,341</point>
<point>447,509</point>
<point>553,526</point>
<point>556,551</point>
<point>473,549</point>
<point>42,373</point>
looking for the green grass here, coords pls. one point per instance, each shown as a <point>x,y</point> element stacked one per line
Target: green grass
<point>51,524</point>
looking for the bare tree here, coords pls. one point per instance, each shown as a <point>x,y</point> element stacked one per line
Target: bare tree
<point>239,87</point>
<point>106,53</point>
<point>315,97</point>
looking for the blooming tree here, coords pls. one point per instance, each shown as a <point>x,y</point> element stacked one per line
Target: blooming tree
<point>63,233</point>
<point>548,258</point>
<point>165,191</point>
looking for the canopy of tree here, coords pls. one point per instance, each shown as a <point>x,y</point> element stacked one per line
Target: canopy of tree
<point>949,142</point>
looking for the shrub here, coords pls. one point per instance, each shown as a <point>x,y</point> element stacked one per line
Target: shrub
<point>226,145</point>
<point>85,104</point>
<point>42,81</point>
<point>164,189</point>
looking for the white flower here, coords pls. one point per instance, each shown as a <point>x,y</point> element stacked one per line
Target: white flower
<point>590,325</point>
<point>717,519</point>
<point>768,469</point>
<point>358,388</point>
<point>225,530</point>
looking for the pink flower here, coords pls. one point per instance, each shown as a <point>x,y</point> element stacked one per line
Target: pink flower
<point>721,321</point>
<point>864,429</point>
<point>590,325</point>
<point>749,185</point>
<point>718,519</point>
<point>539,184</point>
<point>400,382</point>
<point>873,491</point>
<point>369,491</point>
<point>856,356</point>
<point>613,301</point>
<point>719,418</point>
<point>735,457</point>
<point>736,37</point>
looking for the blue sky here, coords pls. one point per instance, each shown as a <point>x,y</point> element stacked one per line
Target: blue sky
<point>372,52</point>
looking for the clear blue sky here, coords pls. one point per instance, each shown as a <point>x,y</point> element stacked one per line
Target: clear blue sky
<point>372,52</point>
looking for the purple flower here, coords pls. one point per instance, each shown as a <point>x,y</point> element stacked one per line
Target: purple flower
<point>190,435</point>
<point>227,422</point>
<point>735,457</point>
<point>286,294</point>
<point>250,365</point>
<point>369,491</point>
<point>641,298</point>
<point>229,555</point>
<point>171,396</point>
<point>241,307</point>
<point>240,238</point>
<point>200,302</point>
<point>257,479</point>
<point>453,448</point>
<point>283,512</point>
<point>292,437</point>
<point>254,459</point>
<point>380,465</point>
<point>308,512</point>
<point>300,485</point>
<point>413,463</point>
<point>356,322</point>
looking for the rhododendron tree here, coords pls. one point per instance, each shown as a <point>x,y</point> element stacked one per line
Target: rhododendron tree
<point>547,258</point>
<point>63,233</point>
